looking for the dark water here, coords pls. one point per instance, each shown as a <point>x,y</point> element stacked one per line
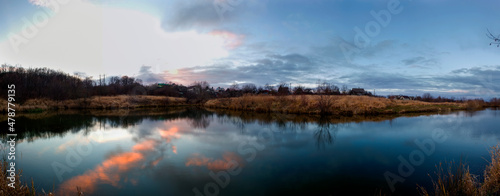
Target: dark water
<point>192,151</point>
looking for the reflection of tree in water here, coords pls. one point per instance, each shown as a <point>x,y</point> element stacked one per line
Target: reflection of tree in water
<point>119,121</point>
<point>202,122</point>
<point>54,126</point>
<point>236,121</point>
<point>199,119</point>
<point>325,134</point>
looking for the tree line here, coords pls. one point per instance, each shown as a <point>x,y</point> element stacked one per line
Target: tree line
<point>36,83</point>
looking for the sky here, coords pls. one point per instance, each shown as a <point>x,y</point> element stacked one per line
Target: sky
<point>388,47</point>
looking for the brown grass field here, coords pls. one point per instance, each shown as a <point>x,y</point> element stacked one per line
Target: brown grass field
<point>292,104</point>
<point>97,102</point>
<point>333,104</point>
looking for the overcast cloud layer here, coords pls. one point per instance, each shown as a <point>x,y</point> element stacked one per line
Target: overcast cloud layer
<point>386,46</point>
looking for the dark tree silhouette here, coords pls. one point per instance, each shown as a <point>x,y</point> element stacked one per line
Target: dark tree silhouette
<point>249,89</point>
<point>496,39</point>
<point>427,97</point>
<point>299,90</point>
<point>326,88</point>
<point>283,89</point>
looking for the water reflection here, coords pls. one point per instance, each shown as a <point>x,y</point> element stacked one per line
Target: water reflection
<point>170,152</point>
<point>325,134</point>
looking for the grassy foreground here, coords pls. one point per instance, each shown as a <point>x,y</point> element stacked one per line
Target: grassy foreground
<point>22,188</point>
<point>457,179</point>
<point>333,104</point>
<point>97,102</point>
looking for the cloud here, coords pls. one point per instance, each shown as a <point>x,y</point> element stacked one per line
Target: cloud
<point>481,81</point>
<point>273,69</point>
<point>340,53</point>
<point>420,62</point>
<point>189,14</point>
<point>413,60</point>
<point>217,164</point>
<point>231,40</point>
<point>377,48</point>
<point>148,77</point>
<point>472,82</point>
<point>78,39</point>
<point>41,3</point>
<point>207,15</point>
<point>383,80</point>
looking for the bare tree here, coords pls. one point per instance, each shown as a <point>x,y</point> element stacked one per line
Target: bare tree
<point>299,90</point>
<point>496,39</point>
<point>283,89</point>
<point>427,97</point>
<point>270,88</point>
<point>326,88</point>
<point>234,86</point>
<point>249,88</point>
<point>344,89</point>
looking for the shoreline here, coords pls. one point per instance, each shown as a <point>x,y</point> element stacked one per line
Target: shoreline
<point>340,105</point>
<point>97,102</point>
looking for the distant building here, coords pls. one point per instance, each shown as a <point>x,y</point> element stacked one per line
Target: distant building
<point>404,97</point>
<point>401,97</point>
<point>308,91</point>
<point>161,85</point>
<point>358,91</point>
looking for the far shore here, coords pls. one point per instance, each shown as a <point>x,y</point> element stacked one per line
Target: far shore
<point>344,105</point>
<point>97,102</point>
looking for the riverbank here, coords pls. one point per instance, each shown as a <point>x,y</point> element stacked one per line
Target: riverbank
<point>333,104</point>
<point>97,102</point>
<point>292,104</point>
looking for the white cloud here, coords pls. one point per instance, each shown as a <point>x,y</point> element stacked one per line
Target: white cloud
<point>42,3</point>
<point>96,39</point>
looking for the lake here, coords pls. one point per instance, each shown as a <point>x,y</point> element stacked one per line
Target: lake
<point>190,151</point>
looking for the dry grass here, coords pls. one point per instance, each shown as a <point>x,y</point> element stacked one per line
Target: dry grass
<point>21,188</point>
<point>458,180</point>
<point>317,104</point>
<point>97,102</point>
<point>491,184</point>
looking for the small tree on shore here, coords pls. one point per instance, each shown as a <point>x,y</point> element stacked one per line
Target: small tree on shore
<point>427,97</point>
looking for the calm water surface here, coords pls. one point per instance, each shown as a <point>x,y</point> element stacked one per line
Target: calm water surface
<point>193,151</point>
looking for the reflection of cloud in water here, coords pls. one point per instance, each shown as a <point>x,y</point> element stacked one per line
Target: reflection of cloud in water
<point>174,149</point>
<point>109,172</point>
<point>119,166</point>
<point>95,136</point>
<point>217,164</point>
<point>146,145</point>
<point>289,139</point>
<point>172,133</point>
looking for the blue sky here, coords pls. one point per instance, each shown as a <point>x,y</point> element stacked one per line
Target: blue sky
<point>393,47</point>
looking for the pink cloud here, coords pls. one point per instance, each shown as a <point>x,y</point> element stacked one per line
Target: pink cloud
<point>231,40</point>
